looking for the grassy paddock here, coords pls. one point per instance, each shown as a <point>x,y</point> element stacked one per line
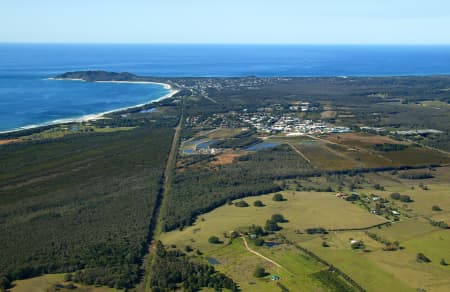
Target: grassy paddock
<point>239,264</point>
<point>302,209</point>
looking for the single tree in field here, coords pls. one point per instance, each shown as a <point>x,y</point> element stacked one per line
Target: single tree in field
<point>214,240</point>
<point>272,226</point>
<point>258,203</point>
<point>241,204</point>
<point>278,197</point>
<point>421,258</point>
<point>259,272</point>
<point>278,218</point>
<point>436,208</point>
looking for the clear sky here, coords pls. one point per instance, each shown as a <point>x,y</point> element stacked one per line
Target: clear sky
<point>226,21</point>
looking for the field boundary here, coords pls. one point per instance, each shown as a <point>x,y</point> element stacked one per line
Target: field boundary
<point>360,228</point>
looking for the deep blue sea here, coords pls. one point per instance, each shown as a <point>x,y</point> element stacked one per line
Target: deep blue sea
<point>28,98</point>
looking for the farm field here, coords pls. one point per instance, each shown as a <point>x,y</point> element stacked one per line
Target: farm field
<point>356,150</point>
<point>363,145</point>
<point>377,269</point>
<point>324,157</point>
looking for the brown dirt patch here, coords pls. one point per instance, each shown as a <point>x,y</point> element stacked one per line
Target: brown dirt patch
<point>7,141</point>
<point>226,158</point>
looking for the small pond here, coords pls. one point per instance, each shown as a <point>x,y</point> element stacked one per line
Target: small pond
<point>205,145</point>
<point>213,261</point>
<point>262,146</point>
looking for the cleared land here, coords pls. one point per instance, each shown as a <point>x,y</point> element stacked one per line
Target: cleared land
<point>7,141</point>
<point>302,209</point>
<point>227,158</point>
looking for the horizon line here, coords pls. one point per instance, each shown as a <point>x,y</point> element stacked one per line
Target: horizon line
<point>223,44</point>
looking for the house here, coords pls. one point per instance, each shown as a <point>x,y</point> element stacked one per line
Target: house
<point>375,211</point>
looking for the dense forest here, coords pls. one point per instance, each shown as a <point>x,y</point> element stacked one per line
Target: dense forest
<point>80,202</point>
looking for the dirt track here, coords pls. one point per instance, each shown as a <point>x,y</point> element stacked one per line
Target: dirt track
<point>258,254</point>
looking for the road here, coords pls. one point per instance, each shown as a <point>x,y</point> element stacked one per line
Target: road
<point>156,220</point>
<point>299,152</point>
<point>258,254</point>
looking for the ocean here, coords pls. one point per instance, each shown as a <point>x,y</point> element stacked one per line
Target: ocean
<point>28,98</point>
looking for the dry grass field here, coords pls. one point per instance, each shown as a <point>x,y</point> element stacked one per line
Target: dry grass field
<point>302,209</point>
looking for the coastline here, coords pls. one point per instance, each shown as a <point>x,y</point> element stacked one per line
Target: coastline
<point>165,85</point>
<point>101,115</point>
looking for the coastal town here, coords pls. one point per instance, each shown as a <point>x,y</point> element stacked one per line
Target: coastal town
<point>288,124</point>
<point>271,120</point>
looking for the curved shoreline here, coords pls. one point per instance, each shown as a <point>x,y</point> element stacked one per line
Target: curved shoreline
<point>101,115</point>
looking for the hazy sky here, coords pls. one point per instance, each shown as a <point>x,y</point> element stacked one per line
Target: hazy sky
<point>226,21</point>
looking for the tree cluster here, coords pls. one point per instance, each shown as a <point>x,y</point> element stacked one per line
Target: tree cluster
<point>170,269</point>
